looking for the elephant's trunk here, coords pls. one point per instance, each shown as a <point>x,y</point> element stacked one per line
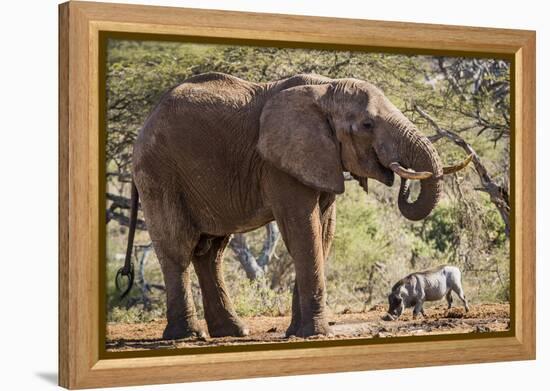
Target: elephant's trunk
<point>419,154</point>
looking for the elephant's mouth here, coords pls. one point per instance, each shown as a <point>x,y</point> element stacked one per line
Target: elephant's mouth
<point>376,170</point>
<point>372,168</point>
<point>388,176</point>
<point>383,175</point>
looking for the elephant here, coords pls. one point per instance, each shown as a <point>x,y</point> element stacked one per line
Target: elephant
<point>219,155</point>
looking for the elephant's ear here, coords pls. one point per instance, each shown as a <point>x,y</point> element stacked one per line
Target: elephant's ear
<point>296,137</point>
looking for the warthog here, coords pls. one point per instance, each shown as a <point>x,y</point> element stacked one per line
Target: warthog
<point>429,285</point>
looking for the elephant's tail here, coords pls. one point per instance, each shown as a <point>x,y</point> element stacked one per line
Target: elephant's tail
<point>128,268</point>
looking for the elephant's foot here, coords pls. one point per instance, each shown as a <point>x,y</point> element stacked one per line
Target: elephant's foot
<point>311,329</point>
<point>293,328</point>
<point>179,330</point>
<point>230,328</point>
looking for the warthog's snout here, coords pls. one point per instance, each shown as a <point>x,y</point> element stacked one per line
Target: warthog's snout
<point>388,317</point>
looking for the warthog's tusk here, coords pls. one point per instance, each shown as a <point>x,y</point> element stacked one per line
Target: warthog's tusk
<point>458,167</point>
<point>407,173</point>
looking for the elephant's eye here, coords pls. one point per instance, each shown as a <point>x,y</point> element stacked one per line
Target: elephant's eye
<point>368,124</point>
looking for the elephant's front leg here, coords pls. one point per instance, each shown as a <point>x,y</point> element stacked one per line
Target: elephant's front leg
<point>329,224</point>
<point>297,211</point>
<point>296,320</point>
<point>221,318</point>
<point>304,241</point>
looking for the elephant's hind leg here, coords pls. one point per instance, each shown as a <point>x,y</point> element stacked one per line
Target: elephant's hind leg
<point>174,239</point>
<point>220,316</point>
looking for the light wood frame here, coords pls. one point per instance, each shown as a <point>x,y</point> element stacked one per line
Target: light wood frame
<point>80,24</point>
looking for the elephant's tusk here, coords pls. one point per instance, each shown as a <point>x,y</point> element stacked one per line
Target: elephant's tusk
<point>407,173</point>
<point>457,167</point>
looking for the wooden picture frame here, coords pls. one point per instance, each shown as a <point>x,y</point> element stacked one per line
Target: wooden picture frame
<point>81,25</point>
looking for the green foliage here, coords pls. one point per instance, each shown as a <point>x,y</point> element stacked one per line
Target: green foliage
<point>356,226</point>
<point>374,245</point>
<point>132,309</point>
<point>257,298</point>
<point>439,230</point>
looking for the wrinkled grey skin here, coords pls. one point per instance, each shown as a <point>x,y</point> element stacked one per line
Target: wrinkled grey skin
<point>220,155</point>
<point>430,285</point>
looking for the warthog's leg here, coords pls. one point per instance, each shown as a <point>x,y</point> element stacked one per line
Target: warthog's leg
<point>418,309</point>
<point>449,299</point>
<point>460,293</point>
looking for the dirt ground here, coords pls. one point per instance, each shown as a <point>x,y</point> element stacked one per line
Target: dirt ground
<point>263,329</point>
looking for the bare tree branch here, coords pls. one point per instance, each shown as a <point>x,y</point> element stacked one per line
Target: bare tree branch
<point>124,220</point>
<point>118,201</point>
<point>122,177</point>
<point>499,194</point>
<point>254,267</point>
<point>268,249</point>
<point>248,261</point>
